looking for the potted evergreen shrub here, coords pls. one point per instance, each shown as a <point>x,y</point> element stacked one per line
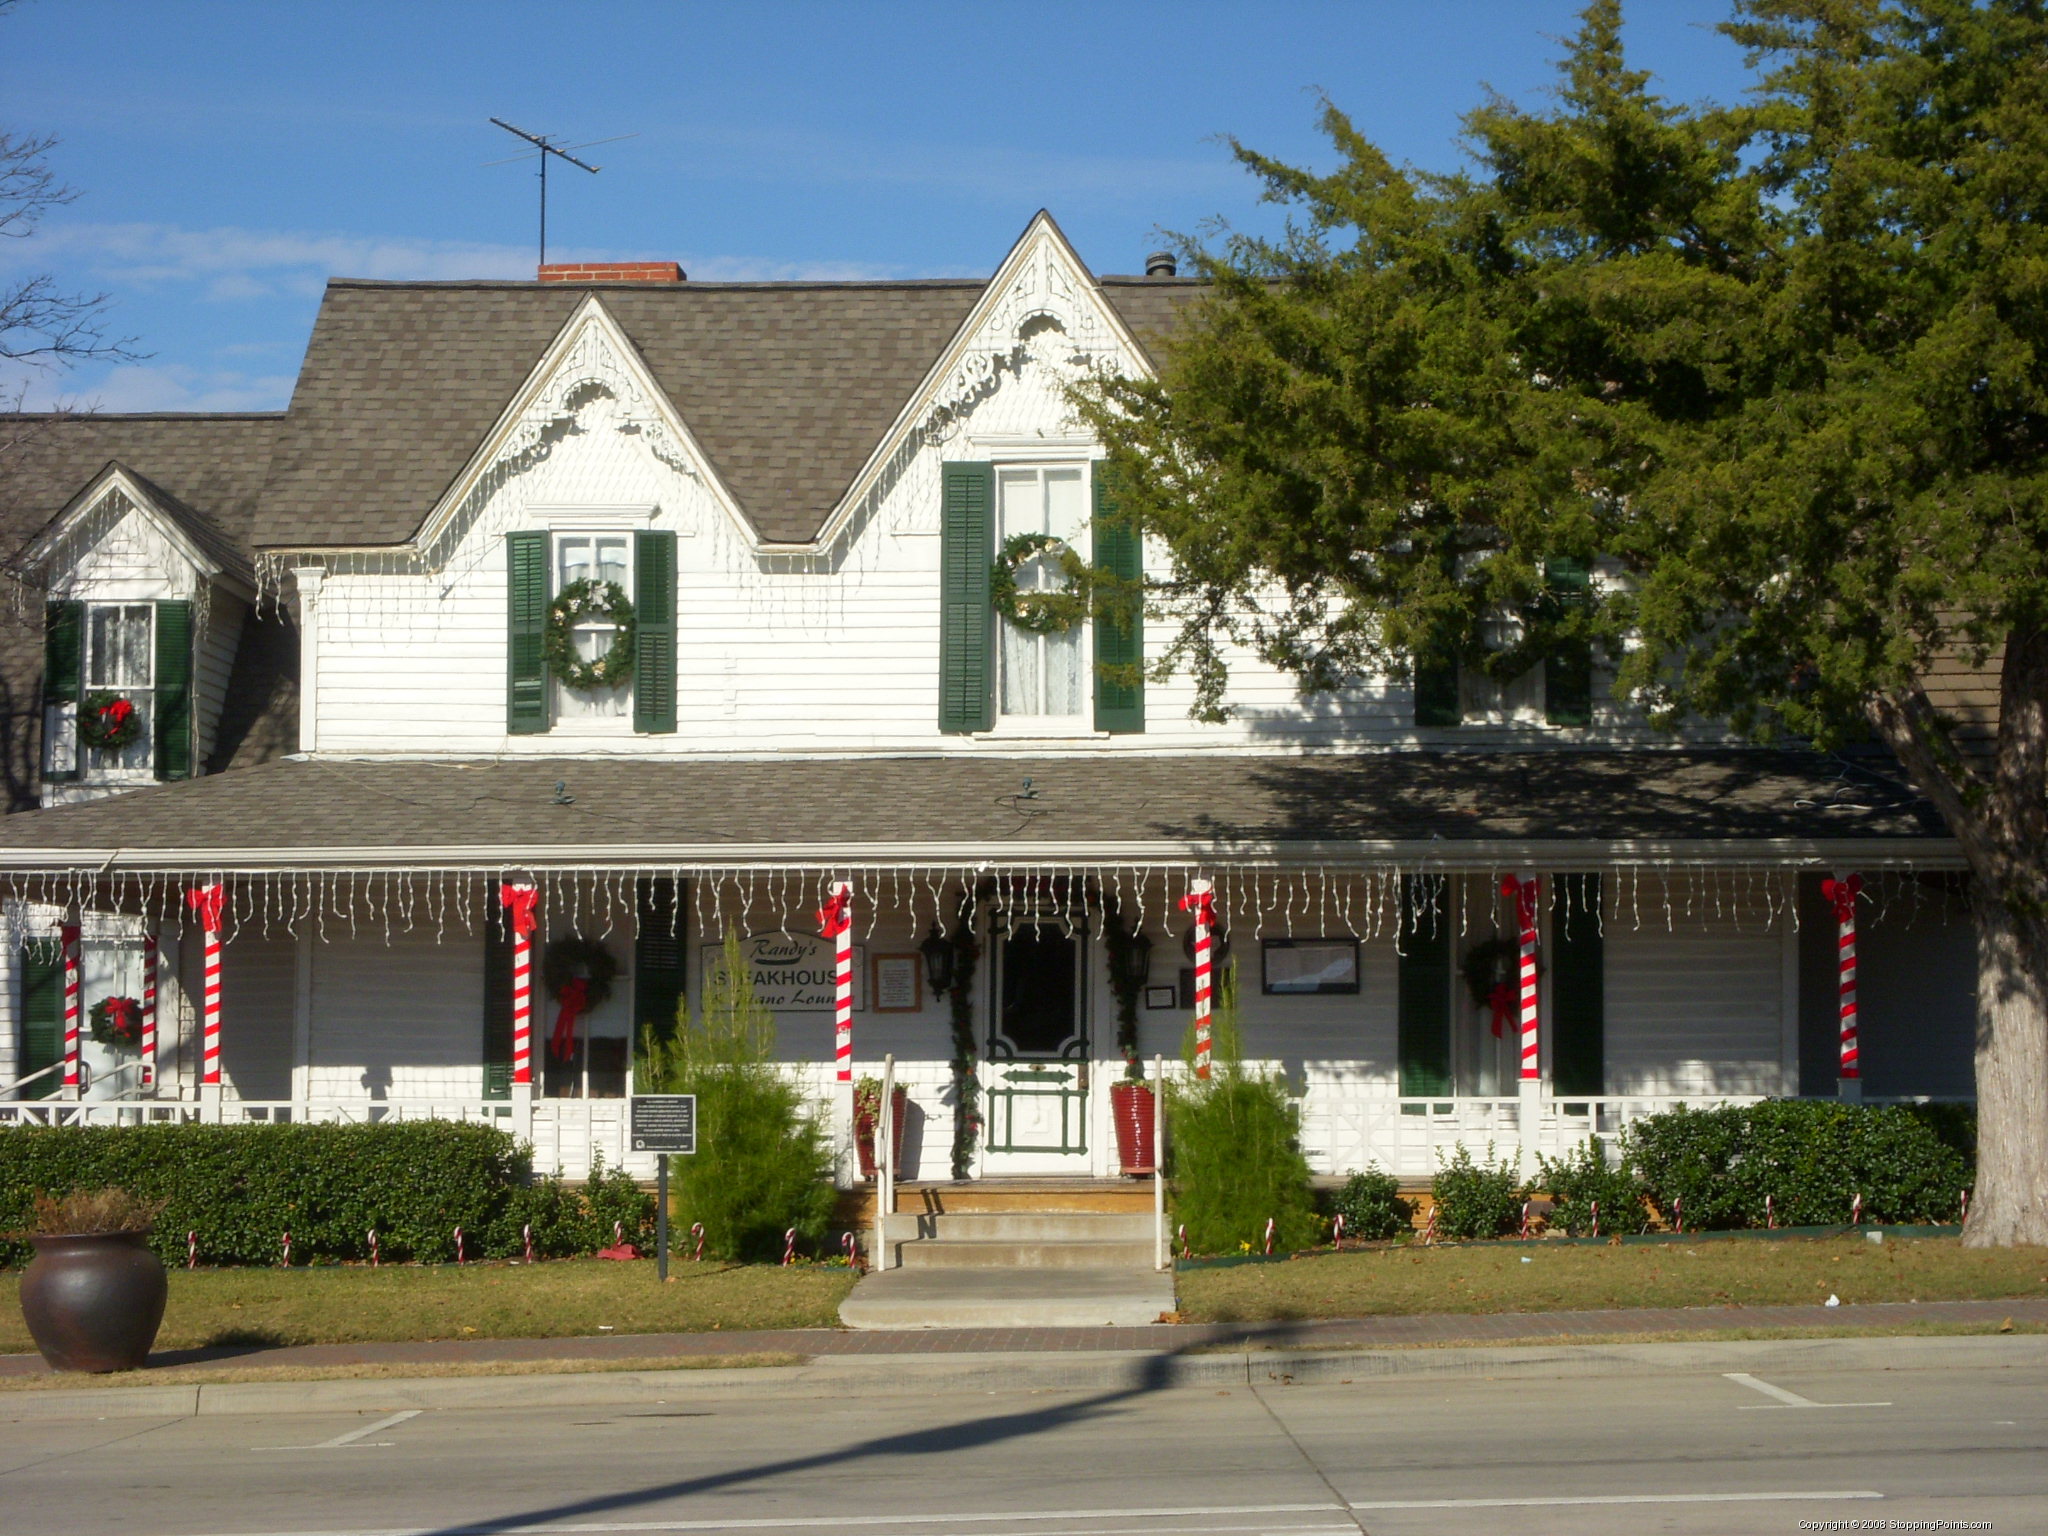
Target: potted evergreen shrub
<point>93,1296</point>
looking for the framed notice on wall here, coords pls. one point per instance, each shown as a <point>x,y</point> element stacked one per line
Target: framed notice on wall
<point>1310,966</point>
<point>896,983</point>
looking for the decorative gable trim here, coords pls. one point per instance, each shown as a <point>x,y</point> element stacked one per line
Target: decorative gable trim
<point>590,357</point>
<point>1042,288</point>
<point>110,495</point>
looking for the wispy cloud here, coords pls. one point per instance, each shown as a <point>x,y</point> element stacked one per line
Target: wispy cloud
<point>233,265</point>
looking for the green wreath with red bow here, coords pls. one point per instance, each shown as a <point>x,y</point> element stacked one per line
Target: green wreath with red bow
<point>108,722</point>
<point>117,1021</point>
<point>1044,612</point>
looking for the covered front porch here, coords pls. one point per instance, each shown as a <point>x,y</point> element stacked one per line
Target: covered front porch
<point>1010,968</point>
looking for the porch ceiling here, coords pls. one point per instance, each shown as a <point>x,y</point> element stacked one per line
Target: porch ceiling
<point>1443,808</point>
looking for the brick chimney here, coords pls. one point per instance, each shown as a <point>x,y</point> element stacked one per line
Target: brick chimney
<point>613,272</point>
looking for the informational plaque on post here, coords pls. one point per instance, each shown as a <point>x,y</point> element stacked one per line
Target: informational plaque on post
<point>664,1122</point>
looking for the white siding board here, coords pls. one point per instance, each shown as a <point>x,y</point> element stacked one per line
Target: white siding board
<point>1697,1008</point>
<point>259,982</point>
<point>397,1021</point>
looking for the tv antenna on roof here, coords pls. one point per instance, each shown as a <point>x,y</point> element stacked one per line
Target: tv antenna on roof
<point>545,146</point>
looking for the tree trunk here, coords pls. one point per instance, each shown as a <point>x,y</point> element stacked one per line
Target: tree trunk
<point>2010,1202</point>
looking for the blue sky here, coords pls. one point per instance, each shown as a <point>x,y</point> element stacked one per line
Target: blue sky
<point>233,156</point>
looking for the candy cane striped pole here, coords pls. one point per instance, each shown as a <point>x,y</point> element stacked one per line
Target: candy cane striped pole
<point>206,901</point>
<point>1185,1251</point>
<point>526,1241</point>
<point>835,921</point>
<point>376,1258</point>
<point>68,939</point>
<point>1770,1214</point>
<point>1596,1220</point>
<point>287,1250</point>
<point>1856,1212</point>
<point>522,902</point>
<point>697,1232</point>
<point>149,967</point>
<point>1201,901</point>
<point>1524,890</point>
<point>191,1250</point>
<point>461,1252</point>
<point>1841,893</point>
<point>1337,1232</point>
<point>1269,1234</point>
<point>789,1246</point>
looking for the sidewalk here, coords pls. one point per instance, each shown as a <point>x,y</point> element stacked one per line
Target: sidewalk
<point>1366,1333</point>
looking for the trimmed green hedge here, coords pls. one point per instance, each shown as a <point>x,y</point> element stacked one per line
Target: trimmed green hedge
<point>241,1187</point>
<point>1811,1156</point>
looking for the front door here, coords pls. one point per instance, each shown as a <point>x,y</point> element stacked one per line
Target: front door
<point>1037,1075</point>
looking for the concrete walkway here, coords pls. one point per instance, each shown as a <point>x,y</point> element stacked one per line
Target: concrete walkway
<point>1367,1333</point>
<point>1092,1297</point>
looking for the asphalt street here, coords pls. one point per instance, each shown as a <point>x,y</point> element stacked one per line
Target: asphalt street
<point>1758,1451</point>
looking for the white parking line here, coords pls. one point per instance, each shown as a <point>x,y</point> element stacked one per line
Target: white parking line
<point>353,1438</point>
<point>1785,1399</point>
<point>1022,1517</point>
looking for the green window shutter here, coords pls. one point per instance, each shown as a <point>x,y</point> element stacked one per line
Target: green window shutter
<point>1578,988</point>
<point>654,632</point>
<point>967,547</point>
<point>1119,634</point>
<point>63,670</point>
<point>526,620</point>
<point>1423,981</point>
<point>1436,692</point>
<point>658,948</point>
<point>497,1045</point>
<point>42,1014</point>
<point>175,737</point>
<point>1568,671</point>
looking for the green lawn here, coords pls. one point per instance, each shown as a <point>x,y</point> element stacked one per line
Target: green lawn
<point>1491,1277</point>
<point>572,1297</point>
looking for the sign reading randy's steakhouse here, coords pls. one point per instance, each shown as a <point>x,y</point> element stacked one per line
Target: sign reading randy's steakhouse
<point>793,972</point>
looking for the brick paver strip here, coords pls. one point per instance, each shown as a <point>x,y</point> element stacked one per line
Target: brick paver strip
<point>1335,1333</point>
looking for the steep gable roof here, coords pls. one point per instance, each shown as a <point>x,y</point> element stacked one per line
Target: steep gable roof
<point>786,386</point>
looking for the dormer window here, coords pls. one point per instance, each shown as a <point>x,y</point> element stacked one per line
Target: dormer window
<point>119,672</point>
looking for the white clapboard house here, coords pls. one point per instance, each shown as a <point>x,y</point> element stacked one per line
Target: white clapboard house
<point>321,669</point>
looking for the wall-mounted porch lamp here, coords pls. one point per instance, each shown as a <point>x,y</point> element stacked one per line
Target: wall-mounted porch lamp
<point>937,950</point>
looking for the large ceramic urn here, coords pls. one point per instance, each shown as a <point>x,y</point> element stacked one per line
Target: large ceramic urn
<point>93,1300</point>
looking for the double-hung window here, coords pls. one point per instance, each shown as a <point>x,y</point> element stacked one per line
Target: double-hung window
<point>598,557</point>
<point>1042,675</point>
<point>120,651</point>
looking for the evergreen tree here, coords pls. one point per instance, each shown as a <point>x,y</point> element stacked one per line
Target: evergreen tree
<point>1776,372</point>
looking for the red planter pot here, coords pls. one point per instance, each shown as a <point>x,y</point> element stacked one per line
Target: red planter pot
<point>1131,1107</point>
<point>93,1301</point>
<point>864,1134</point>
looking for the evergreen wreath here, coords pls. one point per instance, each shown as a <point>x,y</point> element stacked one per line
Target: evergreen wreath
<point>108,722</point>
<point>574,957</point>
<point>117,1021</point>
<point>1495,962</point>
<point>575,604</point>
<point>1038,613</point>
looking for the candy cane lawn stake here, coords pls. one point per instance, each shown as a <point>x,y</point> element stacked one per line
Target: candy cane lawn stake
<point>1337,1232</point>
<point>522,902</point>
<point>461,1253</point>
<point>850,1245</point>
<point>376,1256</point>
<point>1185,1251</point>
<point>1429,1229</point>
<point>1596,1220</point>
<point>526,1241</point>
<point>1269,1234</point>
<point>1678,1214</point>
<point>1856,1211</point>
<point>697,1232</point>
<point>835,922</point>
<point>1525,1220</point>
<point>1770,1214</point>
<point>1842,894</point>
<point>1201,901</point>
<point>287,1250</point>
<point>1524,890</point>
<point>1966,1207</point>
<point>206,901</point>
<point>68,937</point>
<point>618,1234</point>
<point>149,963</point>
<point>191,1250</point>
<point>789,1246</point>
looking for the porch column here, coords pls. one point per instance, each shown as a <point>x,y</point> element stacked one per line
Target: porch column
<point>149,970</point>
<point>1529,1112</point>
<point>522,902</point>
<point>206,901</point>
<point>68,939</point>
<point>1841,892</point>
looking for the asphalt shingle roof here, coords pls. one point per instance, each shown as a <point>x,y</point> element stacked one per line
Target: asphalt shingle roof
<point>415,808</point>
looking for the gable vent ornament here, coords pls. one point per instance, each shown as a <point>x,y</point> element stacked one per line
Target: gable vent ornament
<point>580,603</point>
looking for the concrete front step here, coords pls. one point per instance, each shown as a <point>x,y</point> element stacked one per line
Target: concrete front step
<point>1013,1298</point>
<point>1020,1226</point>
<point>984,1253</point>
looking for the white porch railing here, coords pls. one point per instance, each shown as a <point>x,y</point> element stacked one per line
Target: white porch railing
<point>1347,1131</point>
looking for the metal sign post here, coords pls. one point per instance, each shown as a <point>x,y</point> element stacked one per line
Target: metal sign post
<point>663,1123</point>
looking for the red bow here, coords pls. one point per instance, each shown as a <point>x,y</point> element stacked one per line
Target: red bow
<point>115,715</point>
<point>524,903</point>
<point>1843,894</point>
<point>1524,892</point>
<point>574,998</point>
<point>836,916</point>
<point>1502,1000</point>
<point>1203,905</point>
<point>207,901</point>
